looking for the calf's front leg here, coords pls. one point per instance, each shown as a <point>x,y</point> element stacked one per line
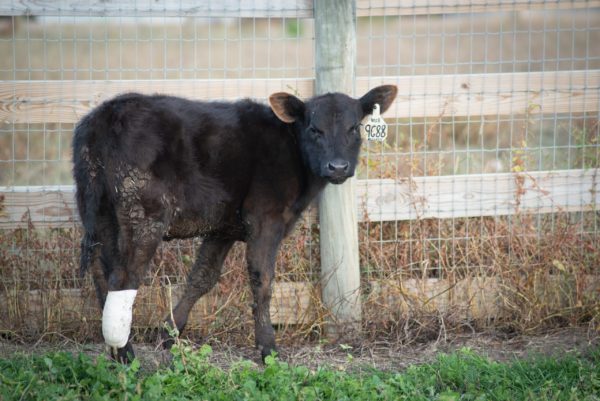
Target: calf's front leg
<point>203,277</point>
<point>261,253</point>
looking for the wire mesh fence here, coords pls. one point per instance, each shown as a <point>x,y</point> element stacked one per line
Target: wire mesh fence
<point>515,45</point>
<point>491,96</point>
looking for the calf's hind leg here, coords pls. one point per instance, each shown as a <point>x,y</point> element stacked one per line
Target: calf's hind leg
<point>105,258</point>
<point>204,275</point>
<point>138,240</point>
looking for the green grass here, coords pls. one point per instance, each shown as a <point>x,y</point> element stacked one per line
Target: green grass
<point>463,375</point>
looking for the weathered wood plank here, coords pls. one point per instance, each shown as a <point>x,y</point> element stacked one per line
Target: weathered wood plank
<point>45,207</point>
<point>68,101</point>
<point>179,8</point>
<point>265,8</point>
<point>378,200</point>
<point>292,303</point>
<point>491,94</point>
<point>476,195</point>
<point>421,7</point>
<point>467,298</point>
<point>56,310</point>
<point>476,297</point>
<point>418,96</point>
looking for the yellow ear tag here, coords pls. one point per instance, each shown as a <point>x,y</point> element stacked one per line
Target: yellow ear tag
<point>375,128</point>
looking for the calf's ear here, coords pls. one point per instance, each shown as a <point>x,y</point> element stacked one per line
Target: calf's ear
<point>287,108</point>
<point>384,95</point>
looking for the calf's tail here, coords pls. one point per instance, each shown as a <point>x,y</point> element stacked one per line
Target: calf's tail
<point>90,188</point>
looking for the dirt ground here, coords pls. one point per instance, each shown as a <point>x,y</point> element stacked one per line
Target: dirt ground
<point>357,356</point>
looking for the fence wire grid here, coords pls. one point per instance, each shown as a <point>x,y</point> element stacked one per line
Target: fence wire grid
<point>486,92</point>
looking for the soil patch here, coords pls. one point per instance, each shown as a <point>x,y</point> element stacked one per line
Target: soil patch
<point>357,356</point>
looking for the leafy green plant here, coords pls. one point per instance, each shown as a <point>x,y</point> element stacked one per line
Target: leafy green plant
<point>294,28</point>
<point>462,375</point>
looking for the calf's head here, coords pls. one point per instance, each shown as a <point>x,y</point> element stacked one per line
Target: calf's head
<point>328,127</point>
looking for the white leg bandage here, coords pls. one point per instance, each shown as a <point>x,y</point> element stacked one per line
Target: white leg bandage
<point>116,317</point>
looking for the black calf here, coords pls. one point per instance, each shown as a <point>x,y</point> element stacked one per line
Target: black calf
<point>152,168</point>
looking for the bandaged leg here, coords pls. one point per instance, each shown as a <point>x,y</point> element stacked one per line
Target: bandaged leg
<point>116,317</point>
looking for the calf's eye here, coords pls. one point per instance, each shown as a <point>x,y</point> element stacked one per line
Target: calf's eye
<point>355,130</point>
<point>315,131</point>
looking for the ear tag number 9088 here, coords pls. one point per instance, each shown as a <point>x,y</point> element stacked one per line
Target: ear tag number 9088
<point>375,128</point>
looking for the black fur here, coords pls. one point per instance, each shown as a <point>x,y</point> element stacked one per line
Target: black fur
<point>149,168</point>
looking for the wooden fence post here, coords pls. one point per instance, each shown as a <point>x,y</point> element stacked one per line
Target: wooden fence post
<point>335,55</point>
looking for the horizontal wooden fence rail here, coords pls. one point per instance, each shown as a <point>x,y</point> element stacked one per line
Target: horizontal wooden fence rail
<point>474,195</point>
<point>428,7</point>
<point>418,96</point>
<point>296,302</point>
<point>378,200</point>
<point>68,101</point>
<point>266,8</point>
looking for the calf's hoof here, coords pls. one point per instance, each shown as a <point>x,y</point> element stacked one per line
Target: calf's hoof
<point>123,355</point>
<point>166,339</point>
<point>266,351</point>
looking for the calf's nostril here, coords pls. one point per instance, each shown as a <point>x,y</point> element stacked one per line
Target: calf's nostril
<point>338,166</point>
